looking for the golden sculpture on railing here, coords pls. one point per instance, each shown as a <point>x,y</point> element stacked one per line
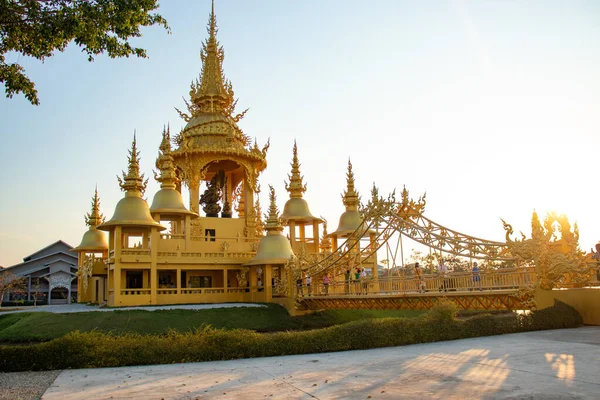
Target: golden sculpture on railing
<point>554,251</point>
<point>84,273</point>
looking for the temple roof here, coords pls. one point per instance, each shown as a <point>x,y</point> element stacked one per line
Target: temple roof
<point>212,132</point>
<point>132,210</point>
<point>93,239</point>
<point>296,208</point>
<point>168,200</point>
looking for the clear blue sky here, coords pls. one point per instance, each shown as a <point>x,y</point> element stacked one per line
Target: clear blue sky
<point>490,106</point>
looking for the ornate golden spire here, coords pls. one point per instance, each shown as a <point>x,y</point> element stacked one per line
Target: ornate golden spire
<point>94,218</point>
<point>273,221</point>
<point>260,226</point>
<point>213,93</point>
<point>350,196</point>
<point>296,187</point>
<point>325,244</point>
<point>274,248</point>
<point>133,181</point>
<point>93,239</point>
<point>164,162</point>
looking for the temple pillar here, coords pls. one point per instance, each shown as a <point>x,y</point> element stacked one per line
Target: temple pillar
<point>153,265</point>
<point>292,227</point>
<point>225,285</point>
<point>248,197</point>
<point>117,285</point>
<point>118,243</point>
<point>316,235</point>
<point>194,196</point>
<point>178,280</point>
<point>188,233</point>
<point>252,279</point>
<point>268,286</point>
<point>302,233</point>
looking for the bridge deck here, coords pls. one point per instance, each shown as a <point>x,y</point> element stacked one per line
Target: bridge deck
<point>506,299</point>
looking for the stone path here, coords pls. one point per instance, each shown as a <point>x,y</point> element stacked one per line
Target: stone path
<point>558,364</point>
<point>77,308</point>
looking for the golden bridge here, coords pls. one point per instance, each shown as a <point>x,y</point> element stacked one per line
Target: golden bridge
<point>487,291</point>
<point>513,274</point>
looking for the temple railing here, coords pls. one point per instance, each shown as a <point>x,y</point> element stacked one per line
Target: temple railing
<point>135,292</point>
<point>190,291</point>
<point>171,236</point>
<point>135,252</point>
<point>484,281</point>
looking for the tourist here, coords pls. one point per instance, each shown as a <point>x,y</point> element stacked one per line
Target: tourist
<point>347,278</point>
<point>260,285</point>
<point>299,286</point>
<point>443,273</point>
<point>308,282</point>
<point>423,286</point>
<point>365,283</point>
<point>357,279</point>
<point>476,276</point>
<point>326,281</point>
<point>418,275</point>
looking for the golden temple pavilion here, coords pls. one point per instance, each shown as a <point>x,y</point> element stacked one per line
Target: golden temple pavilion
<point>218,249</point>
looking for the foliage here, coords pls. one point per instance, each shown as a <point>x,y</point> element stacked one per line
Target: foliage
<point>10,282</point>
<point>97,349</point>
<point>37,28</point>
<point>35,291</point>
<point>37,326</point>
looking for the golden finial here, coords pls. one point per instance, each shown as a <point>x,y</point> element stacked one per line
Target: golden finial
<point>94,218</point>
<point>213,22</point>
<point>325,244</point>
<point>350,195</point>
<point>133,180</point>
<point>409,206</point>
<point>213,93</point>
<point>258,213</point>
<point>164,162</point>
<point>273,221</point>
<point>296,187</point>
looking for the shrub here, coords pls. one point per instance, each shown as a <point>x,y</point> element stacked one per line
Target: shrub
<point>96,349</point>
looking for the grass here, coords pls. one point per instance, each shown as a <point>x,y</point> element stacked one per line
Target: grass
<point>42,326</point>
<point>98,349</point>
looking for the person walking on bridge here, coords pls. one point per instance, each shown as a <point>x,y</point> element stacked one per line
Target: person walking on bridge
<point>365,283</point>
<point>419,278</point>
<point>476,276</point>
<point>308,282</point>
<point>299,286</point>
<point>347,278</point>
<point>326,281</point>
<point>443,274</point>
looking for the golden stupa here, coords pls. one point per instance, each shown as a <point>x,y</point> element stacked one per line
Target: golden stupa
<point>216,249</point>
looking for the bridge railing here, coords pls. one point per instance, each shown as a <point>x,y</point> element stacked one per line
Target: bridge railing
<point>484,281</point>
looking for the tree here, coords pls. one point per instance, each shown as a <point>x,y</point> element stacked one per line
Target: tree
<point>35,289</point>
<point>10,282</point>
<point>37,28</point>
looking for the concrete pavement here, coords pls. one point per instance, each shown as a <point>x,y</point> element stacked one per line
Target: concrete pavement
<point>558,364</point>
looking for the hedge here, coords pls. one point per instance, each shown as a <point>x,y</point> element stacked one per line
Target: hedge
<point>96,349</point>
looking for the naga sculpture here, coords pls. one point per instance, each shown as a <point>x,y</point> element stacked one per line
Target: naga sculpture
<point>554,251</point>
<point>210,199</point>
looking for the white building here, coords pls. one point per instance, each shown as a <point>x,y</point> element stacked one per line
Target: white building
<point>55,268</point>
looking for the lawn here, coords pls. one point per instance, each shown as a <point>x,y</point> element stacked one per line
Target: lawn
<point>42,326</point>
